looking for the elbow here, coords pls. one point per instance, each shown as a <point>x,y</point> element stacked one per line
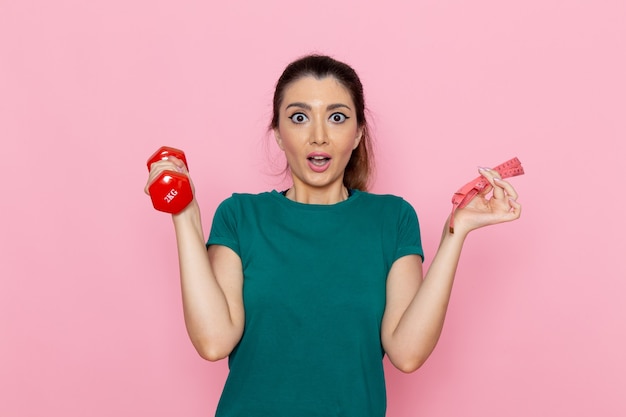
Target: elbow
<point>213,346</point>
<point>409,356</point>
<point>211,355</point>
<point>211,352</point>
<point>409,365</point>
<point>409,362</point>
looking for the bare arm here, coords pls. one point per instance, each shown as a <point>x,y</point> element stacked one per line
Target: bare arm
<point>416,308</point>
<point>211,282</point>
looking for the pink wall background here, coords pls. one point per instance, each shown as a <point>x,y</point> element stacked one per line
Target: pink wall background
<point>90,310</point>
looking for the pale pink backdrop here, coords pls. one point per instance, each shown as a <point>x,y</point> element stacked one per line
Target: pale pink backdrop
<point>90,310</point>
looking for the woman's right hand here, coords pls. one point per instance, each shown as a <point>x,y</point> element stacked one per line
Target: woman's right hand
<point>170,164</point>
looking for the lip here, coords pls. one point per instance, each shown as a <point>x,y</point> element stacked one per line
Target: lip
<point>322,154</point>
<point>317,168</point>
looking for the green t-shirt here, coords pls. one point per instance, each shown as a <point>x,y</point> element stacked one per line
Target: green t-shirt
<point>314,297</point>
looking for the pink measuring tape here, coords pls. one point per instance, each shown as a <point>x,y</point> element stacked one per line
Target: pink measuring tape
<point>464,195</point>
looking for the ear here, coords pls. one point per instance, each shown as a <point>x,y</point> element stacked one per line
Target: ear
<point>279,140</point>
<point>357,139</point>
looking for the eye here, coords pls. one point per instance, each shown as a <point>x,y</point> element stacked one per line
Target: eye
<point>298,118</point>
<point>338,117</point>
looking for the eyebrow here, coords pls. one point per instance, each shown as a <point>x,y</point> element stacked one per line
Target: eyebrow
<point>308,107</point>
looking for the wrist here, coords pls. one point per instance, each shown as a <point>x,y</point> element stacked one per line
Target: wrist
<point>190,213</point>
<point>459,232</point>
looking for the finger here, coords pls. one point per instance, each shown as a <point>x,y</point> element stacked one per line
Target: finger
<point>506,187</point>
<point>485,191</point>
<point>516,209</point>
<point>180,165</point>
<point>172,163</point>
<point>491,176</point>
<point>158,167</point>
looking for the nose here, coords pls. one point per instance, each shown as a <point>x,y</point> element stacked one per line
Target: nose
<point>319,135</point>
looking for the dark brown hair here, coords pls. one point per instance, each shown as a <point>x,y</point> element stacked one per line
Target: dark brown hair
<point>359,168</point>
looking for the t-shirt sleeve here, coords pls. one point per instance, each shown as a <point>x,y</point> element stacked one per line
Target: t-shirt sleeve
<point>224,227</point>
<point>409,237</point>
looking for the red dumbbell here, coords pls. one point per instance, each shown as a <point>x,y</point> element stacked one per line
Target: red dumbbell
<point>171,191</point>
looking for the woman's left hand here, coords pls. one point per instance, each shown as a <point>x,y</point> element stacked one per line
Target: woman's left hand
<point>484,209</point>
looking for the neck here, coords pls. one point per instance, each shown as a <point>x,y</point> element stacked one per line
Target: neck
<point>325,196</point>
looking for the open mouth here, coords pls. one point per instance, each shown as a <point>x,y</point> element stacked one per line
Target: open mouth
<point>319,161</point>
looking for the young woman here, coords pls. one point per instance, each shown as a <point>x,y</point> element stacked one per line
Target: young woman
<point>307,289</point>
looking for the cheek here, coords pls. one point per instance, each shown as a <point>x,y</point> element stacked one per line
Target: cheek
<point>352,139</point>
<point>288,147</point>
<point>290,139</point>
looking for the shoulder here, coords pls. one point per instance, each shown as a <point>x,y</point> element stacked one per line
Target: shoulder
<point>388,208</point>
<point>238,202</point>
<point>246,198</point>
<point>385,201</point>
<point>240,209</point>
<point>377,197</point>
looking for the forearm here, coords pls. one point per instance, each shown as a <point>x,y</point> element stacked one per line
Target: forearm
<point>206,310</point>
<point>419,328</point>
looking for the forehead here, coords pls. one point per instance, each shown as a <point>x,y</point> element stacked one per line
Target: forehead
<point>325,90</point>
